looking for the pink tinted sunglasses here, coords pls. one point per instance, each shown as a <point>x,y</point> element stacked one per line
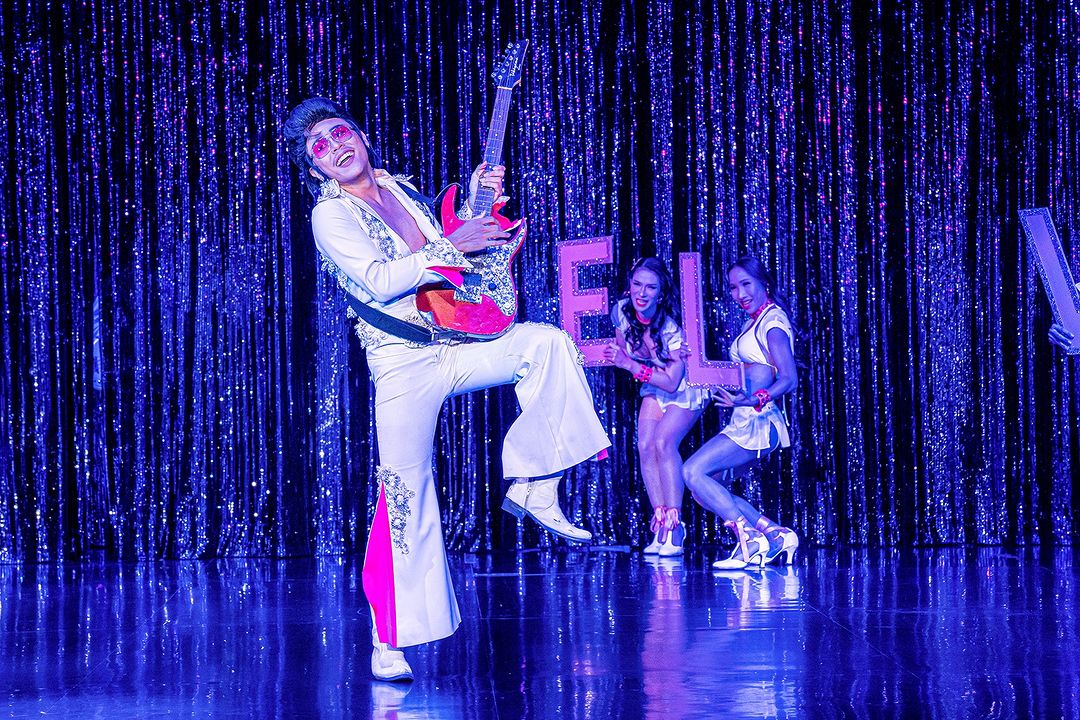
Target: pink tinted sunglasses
<point>338,133</point>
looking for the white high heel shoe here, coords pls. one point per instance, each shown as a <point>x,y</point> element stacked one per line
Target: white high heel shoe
<point>783,546</point>
<point>674,544</point>
<point>653,548</point>
<point>749,552</point>
<point>676,534</point>
<point>656,527</point>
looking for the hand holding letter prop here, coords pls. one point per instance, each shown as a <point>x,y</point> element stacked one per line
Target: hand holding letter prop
<point>1056,276</point>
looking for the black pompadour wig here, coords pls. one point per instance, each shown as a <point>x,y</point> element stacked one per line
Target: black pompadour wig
<point>295,129</point>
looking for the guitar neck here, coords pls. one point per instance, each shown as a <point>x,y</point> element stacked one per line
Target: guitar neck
<point>493,146</point>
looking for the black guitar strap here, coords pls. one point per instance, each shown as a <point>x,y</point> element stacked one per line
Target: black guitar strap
<point>399,328</point>
<point>417,196</point>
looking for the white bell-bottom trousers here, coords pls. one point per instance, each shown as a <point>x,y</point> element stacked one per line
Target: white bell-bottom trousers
<point>406,577</point>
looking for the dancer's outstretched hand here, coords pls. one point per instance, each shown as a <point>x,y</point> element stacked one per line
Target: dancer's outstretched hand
<point>725,399</point>
<point>1060,336</point>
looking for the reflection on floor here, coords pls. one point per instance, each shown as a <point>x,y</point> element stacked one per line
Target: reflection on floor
<point>574,634</point>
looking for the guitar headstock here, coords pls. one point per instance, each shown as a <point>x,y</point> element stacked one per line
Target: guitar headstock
<point>507,73</point>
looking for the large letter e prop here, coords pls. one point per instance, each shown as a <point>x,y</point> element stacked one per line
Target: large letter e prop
<point>576,302</point>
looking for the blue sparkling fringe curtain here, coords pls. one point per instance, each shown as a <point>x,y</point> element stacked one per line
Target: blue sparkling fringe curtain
<point>180,378</point>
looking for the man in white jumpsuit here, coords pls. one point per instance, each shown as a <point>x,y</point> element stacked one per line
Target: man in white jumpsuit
<point>381,245</point>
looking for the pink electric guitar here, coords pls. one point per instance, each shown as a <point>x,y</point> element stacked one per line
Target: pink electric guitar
<point>484,304</point>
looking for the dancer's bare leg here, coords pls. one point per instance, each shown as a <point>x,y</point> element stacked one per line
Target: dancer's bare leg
<point>669,433</point>
<point>718,457</point>
<point>649,417</point>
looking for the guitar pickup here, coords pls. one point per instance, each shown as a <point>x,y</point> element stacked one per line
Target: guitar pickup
<point>469,290</point>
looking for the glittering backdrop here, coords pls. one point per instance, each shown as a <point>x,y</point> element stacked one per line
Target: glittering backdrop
<point>180,379</point>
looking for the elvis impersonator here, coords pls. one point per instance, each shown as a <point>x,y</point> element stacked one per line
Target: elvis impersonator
<point>381,244</point>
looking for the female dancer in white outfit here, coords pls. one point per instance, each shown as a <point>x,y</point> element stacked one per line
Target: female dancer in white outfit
<point>648,341</point>
<point>757,426</point>
<point>382,244</point>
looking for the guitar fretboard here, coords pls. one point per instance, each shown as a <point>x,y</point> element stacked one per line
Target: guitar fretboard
<point>493,146</point>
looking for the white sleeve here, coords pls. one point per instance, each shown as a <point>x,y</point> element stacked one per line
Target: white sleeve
<point>346,243</point>
<point>776,319</point>
<point>673,336</point>
<point>617,317</point>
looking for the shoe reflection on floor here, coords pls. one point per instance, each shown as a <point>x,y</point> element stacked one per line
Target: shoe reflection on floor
<point>664,639</point>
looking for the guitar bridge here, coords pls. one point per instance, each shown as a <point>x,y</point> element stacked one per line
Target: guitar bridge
<point>470,289</point>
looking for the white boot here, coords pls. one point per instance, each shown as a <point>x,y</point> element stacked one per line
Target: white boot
<point>514,502</point>
<point>539,500</point>
<point>387,662</point>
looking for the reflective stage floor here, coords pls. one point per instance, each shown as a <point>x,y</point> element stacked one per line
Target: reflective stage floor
<point>948,633</point>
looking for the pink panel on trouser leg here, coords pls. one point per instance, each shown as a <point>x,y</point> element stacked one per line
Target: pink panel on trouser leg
<point>378,575</point>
